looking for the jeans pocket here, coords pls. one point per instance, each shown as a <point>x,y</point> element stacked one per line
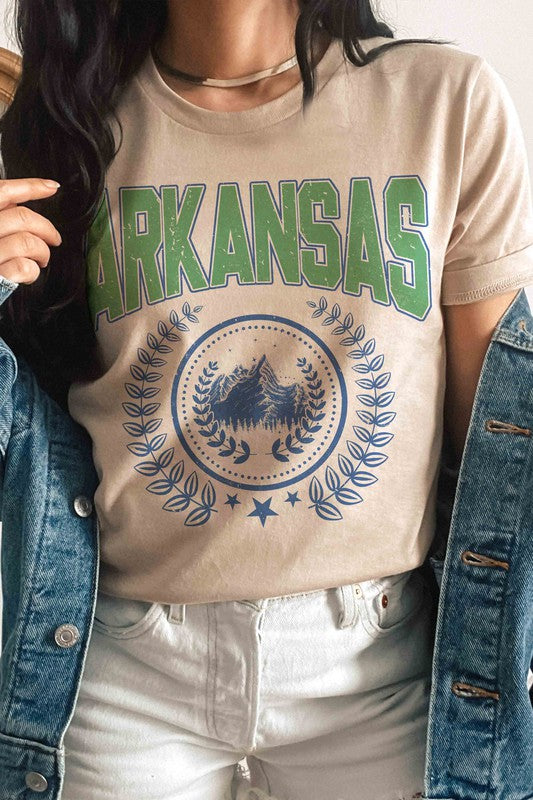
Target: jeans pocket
<point>124,618</point>
<point>394,601</point>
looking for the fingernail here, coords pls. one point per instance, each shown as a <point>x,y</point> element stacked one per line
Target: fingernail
<point>52,184</point>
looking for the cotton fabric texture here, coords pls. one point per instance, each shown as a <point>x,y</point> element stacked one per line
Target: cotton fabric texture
<point>266,291</point>
<point>325,693</point>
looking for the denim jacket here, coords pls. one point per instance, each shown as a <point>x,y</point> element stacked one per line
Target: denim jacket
<point>480,726</point>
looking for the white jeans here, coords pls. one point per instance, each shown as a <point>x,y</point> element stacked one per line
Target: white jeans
<point>326,693</point>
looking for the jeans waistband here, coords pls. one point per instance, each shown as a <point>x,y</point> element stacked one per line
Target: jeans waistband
<point>348,595</point>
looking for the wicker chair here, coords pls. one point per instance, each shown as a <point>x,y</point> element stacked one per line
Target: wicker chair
<point>10,69</point>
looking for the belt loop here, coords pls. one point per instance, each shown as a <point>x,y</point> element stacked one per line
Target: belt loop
<point>347,595</point>
<point>176,613</point>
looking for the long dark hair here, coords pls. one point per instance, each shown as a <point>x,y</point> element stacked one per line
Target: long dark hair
<point>77,57</point>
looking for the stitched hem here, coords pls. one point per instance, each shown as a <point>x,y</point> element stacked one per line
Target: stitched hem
<point>512,271</point>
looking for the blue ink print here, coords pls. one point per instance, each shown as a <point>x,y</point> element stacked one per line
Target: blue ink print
<point>253,396</point>
<point>252,421</point>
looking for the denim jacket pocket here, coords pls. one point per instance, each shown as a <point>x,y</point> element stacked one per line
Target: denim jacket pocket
<point>124,618</point>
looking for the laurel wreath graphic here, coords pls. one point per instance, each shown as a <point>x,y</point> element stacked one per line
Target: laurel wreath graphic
<point>326,495</point>
<point>337,483</point>
<point>184,492</point>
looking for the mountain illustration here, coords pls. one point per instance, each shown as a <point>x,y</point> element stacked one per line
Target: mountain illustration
<point>251,397</point>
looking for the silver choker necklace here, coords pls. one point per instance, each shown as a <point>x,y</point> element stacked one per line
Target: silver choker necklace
<point>224,82</point>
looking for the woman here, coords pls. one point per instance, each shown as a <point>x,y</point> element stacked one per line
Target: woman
<point>259,593</point>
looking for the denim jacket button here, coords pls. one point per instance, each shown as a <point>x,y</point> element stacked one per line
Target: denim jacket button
<point>66,635</point>
<point>82,506</point>
<point>36,781</point>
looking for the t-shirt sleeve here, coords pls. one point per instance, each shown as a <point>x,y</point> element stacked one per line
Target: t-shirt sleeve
<point>490,250</point>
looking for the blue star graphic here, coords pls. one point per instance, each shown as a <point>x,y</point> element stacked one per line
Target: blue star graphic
<point>292,498</point>
<point>232,501</point>
<point>263,510</point>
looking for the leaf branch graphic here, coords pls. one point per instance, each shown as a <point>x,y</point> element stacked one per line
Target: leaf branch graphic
<point>185,495</point>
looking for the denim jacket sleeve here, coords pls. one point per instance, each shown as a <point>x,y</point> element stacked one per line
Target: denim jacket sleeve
<point>8,375</point>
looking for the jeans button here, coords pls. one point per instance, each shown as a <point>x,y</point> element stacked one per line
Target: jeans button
<point>36,781</point>
<point>66,635</point>
<point>82,506</point>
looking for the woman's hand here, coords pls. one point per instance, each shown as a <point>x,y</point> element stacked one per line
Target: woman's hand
<point>25,235</point>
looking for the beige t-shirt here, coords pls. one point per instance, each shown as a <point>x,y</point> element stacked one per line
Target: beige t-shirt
<point>266,292</point>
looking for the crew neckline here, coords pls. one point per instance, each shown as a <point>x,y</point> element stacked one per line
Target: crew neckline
<point>232,122</point>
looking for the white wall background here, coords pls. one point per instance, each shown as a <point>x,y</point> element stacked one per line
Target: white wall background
<point>498,31</point>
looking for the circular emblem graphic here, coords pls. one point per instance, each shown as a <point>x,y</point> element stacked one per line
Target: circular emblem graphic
<point>259,402</point>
